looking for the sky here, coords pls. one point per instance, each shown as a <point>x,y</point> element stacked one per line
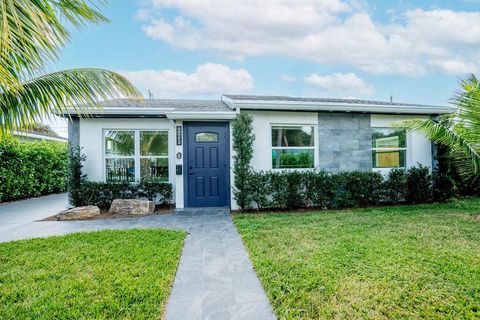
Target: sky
<point>413,51</point>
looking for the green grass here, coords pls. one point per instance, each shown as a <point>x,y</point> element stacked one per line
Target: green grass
<point>406,262</point>
<point>99,275</point>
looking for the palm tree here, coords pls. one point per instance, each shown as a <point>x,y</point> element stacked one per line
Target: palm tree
<point>31,35</point>
<point>459,132</point>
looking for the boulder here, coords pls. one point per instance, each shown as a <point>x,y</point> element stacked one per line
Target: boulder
<point>79,213</point>
<point>132,206</point>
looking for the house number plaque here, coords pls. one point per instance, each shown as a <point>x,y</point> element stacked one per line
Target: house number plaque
<point>179,135</point>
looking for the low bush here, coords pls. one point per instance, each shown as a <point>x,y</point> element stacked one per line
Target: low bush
<point>419,185</point>
<point>396,185</point>
<point>321,189</point>
<point>101,194</point>
<point>31,169</point>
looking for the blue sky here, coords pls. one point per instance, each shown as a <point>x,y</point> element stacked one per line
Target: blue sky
<point>413,50</point>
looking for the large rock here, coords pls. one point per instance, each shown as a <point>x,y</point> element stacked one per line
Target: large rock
<point>79,213</point>
<point>132,206</point>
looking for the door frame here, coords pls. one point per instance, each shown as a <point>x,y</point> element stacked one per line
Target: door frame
<point>186,125</point>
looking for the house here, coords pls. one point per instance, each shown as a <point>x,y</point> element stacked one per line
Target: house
<point>37,136</point>
<point>188,142</point>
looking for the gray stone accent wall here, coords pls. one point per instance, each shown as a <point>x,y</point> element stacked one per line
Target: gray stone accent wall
<point>345,141</point>
<point>73,142</point>
<point>73,133</point>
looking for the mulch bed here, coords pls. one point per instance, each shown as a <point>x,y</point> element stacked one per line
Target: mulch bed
<point>104,214</point>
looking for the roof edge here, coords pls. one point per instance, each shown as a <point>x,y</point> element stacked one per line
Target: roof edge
<point>365,107</point>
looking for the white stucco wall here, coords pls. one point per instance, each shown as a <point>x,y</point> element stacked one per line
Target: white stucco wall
<point>92,142</point>
<point>419,148</point>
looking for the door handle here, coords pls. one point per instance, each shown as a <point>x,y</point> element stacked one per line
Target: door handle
<point>190,170</point>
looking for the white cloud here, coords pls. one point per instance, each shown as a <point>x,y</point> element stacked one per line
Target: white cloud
<point>209,79</point>
<point>288,78</point>
<point>325,31</point>
<point>453,66</point>
<point>340,82</point>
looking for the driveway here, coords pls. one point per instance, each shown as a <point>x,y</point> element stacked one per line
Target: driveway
<point>19,213</point>
<point>215,278</point>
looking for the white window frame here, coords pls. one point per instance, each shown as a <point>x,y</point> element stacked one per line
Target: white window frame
<point>294,125</point>
<point>105,157</point>
<point>136,155</point>
<point>153,157</point>
<point>391,149</point>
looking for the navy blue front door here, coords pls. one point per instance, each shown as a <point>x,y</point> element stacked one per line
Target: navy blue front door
<point>207,164</point>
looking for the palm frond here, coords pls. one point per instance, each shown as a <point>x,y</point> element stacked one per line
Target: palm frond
<point>31,33</point>
<point>441,134</point>
<point>468,102</point>
<point>55,92</point>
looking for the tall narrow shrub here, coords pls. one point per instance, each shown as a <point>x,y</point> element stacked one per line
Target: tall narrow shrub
<point>75,175</point>
<point>243,137</point>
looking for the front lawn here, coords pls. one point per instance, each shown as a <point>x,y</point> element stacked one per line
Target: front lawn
<point>98,275</point>
<point>395,262</point>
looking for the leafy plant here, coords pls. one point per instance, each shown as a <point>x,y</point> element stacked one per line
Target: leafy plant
<point>396,185</point>
<point>461,135</point>
<point>75,175</point>
<point>321,189</point>
<point>243,137</point>
<point>31,169</point>
<point>102,194</point>
<point>31,35</point>
<point>419,185</point>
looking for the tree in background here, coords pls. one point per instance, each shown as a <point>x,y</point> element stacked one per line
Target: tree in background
<point>31,36</point>
<point>462,134</point>
<point>42,128</point>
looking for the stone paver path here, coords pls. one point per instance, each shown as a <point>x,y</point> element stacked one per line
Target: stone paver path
<point>215,278</point>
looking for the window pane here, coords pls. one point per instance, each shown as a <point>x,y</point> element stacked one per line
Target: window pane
<point>389,138</point>
<point>154,143</point>
<point>119,143</point>
<point>154,169</point>
<point>292,158</point>
<point>120,170</point>
<point>389,159</point>
<point>301,136</point>
<point>206,137</point>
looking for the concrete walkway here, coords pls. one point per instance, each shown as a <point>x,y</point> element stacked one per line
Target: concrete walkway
<point>215,278</point>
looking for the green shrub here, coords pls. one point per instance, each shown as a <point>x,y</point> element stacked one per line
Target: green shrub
<point>160,192</point>
<point>321,189</point>
<point>243,137</point>
<point>75,175</point>
<point>363,188</point>
<point>444,187</point>
<point>30,169</point>
<point>419,185</point>
<point>258,190</point>
<point>102,194</point>
<point>396,186</point>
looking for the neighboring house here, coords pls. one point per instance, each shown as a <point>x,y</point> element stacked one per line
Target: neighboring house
<point>35,136</point>
<point>188,142</point>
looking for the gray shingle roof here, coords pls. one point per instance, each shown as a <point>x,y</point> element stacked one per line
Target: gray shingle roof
<point>319,100</point>
<point>177,104</point>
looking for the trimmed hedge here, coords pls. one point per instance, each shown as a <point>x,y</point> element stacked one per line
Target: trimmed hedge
<point>320,189</point>
<point>101,194</point>
<point>31,169</point>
